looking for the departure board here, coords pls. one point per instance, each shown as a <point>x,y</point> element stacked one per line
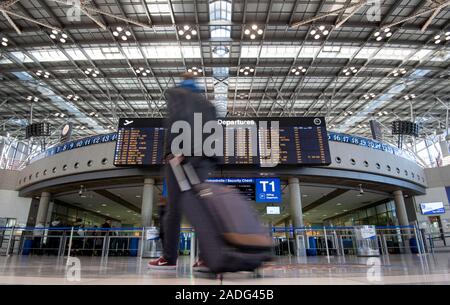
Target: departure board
<point>140,142</point>
<point>246,141</point>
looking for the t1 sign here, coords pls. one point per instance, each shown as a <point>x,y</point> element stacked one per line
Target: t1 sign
<point>268,190</point>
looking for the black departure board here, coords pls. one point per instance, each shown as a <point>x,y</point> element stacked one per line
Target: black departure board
<point>246,141</point>
<point>140,142</point>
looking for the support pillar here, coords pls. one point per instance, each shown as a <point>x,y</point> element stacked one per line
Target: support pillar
<point>41,217</point>
<point>295,202</point>
<point>400,208</point>
<point>147,202</point>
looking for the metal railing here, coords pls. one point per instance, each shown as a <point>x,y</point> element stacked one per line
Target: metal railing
<point>303,241</point>
<point>342,241</point>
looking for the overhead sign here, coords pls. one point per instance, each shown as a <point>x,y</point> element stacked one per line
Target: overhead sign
<point>431,208</point>
<point>273,210</point>
<point>245,186</point>
<point>268,190</point>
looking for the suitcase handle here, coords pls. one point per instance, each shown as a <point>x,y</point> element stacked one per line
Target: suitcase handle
<point>183,182</point>
<point>180,173</point>
<point>191,174</point>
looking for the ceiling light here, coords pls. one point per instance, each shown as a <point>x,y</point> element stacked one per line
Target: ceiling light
<point>247,70</point>
<point>382,34</point>
<point>116,33</point>
<point>195,70</point>
<point>441,37</point>
<point>253,31</point>
<point>298,69</point>
<point>338,203</point>
<point>103,204</point>
<point>56,35</point>
<point>349,70</point>
<point>186,33</point>
<point>44,74</point>
<point>319,32</point>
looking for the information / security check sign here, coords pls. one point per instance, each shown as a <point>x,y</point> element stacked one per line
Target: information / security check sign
<point>268,190</point>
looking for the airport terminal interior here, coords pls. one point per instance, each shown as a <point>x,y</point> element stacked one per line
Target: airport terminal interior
<point>335,123</point>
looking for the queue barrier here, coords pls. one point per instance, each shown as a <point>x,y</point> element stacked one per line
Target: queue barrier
<point>106,242</point>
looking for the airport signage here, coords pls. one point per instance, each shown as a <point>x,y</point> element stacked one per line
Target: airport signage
<point>268,190</point>
<point>332,136</point>
<point>344,138</point>
<point>431,208</point>
<point>81,143</point>
<point>273,210</point>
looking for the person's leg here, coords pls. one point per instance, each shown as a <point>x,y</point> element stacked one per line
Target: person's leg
<point>172,218</point>
<point>161,213</point>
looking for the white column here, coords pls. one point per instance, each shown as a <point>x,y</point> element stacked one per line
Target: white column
<point>400,208</point>
<point>43,209</point>
<point>147,202</point>
<point>48,219</point>
<point>295,202</point>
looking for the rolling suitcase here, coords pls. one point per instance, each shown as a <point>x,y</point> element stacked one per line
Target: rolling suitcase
<point>230,235</point>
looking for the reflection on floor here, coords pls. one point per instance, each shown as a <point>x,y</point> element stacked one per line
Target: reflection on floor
<point>395,269</point>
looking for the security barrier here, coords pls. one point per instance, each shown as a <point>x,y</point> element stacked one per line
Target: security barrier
<point>134,242</point>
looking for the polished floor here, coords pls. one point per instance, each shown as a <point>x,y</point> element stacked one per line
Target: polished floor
<point>348,270</point>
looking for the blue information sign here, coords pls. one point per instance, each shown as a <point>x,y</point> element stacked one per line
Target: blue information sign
<point>268,190</point>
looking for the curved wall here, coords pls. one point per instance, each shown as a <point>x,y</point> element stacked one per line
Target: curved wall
<point>349,161</point>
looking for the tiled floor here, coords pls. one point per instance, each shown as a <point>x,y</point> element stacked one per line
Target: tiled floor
<point>395,269</point>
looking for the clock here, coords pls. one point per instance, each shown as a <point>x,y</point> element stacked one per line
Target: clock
<point>65,130</point>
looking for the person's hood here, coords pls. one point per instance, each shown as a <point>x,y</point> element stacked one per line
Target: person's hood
<point>191,85</point>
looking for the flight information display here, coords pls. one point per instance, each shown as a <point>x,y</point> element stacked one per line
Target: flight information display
<point>266,142</point>
<point>140,142</point>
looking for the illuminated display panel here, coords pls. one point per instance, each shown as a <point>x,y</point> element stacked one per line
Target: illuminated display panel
<point>256,141</point>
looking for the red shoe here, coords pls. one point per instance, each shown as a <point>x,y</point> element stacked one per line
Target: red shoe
<point>200,266</point>
<point>161,264</point>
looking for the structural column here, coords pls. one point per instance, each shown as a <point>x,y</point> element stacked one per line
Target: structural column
<point>147,202</point>
<point>295,202</point>
<point>41,217</point>
<point>400,208</point>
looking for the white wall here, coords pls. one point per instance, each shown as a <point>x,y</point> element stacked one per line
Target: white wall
<point>438,179</point>
<point>13,206</point>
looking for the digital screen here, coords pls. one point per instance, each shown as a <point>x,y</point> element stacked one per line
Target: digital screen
<point>140,142</point>
<point>432,208</point>
<point>245,186</point>
<point>249,141</point>
<point>273,210</point>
